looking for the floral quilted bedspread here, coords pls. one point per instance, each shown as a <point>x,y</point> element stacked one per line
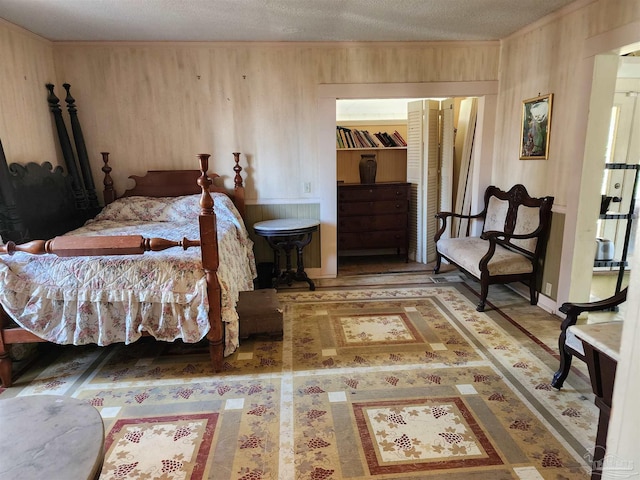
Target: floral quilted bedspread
<point>102,300</point>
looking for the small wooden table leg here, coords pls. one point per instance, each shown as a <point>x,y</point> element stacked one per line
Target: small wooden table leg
<point>285,234</point>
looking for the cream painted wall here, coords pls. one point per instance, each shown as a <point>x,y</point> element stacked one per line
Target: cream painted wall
<point>549,57</point>
<point>157,105</point>
<point>26,126</point>
<point>545,58</point>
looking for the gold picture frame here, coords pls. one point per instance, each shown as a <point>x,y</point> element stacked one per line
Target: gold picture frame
<point>536,125</point>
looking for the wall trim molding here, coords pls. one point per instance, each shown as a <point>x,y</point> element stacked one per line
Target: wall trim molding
<point>566,10</point>
<point>620,41</point>
<point>409,90</point>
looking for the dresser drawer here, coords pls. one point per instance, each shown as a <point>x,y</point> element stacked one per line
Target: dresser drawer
<point>362,193</point>
<point>368,223</point>
<point>380,239</point>
<point>381,207</point>
<point>373,216</point>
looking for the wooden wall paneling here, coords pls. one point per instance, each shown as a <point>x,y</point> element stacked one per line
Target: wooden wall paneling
<point>158,105</point>
<point>26,127</point>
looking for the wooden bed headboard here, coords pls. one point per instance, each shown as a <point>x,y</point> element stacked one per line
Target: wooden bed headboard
<point>38,201</point>
<point>174,183</point>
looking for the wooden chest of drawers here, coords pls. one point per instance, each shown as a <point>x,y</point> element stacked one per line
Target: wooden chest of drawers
<point>373,216</point>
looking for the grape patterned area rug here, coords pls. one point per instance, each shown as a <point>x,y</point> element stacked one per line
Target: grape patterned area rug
<point>389,383</point>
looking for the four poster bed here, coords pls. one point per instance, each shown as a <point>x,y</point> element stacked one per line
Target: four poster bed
<point>120,276</point>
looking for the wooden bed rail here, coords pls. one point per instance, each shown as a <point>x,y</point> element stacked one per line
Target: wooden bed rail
<point>78,246</point>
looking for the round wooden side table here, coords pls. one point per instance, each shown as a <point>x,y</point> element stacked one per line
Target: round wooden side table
<point>286,234</point>
<point>50,437</point>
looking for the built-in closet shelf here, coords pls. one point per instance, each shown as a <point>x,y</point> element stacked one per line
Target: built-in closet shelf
<point>370,148</point>
<point>609,263</point>
<point>392,164</point>
<point>615,216</point>
<point>621,166</point>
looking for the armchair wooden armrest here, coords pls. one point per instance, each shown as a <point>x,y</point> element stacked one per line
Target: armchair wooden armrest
<point>572,311</point>
<point>443,217</point>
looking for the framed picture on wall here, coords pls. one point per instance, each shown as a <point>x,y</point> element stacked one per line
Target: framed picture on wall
<point>536,124</point>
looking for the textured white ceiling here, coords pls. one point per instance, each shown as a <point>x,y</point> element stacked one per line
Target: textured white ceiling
<point>275,20</point>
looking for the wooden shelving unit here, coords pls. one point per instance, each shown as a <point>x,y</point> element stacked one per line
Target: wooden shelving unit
<point>621,263</point>
<point>392,164</point>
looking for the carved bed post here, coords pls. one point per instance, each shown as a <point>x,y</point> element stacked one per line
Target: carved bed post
<point>12,222</point>
<point>5,358</point>
<point>210,262</point>
<point>67,151</point>
<point>109,193</point>
<point>81,149</point>
<point>238,187</point>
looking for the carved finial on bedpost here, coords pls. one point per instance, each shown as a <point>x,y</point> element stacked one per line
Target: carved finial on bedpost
<point>237,180</point>
<point>81,148</point>
<point>238,191</point>
<point>206,201</point>
<point>109,192</point>
<point>67,151</point>
<point>52,100</point>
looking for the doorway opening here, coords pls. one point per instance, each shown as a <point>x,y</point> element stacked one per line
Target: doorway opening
<point>421,144</point>
<point>486,91</point>
<point>616,225</point>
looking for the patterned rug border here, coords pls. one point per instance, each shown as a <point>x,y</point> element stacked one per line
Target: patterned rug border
<point>200,461</point>
<point>492,458</point>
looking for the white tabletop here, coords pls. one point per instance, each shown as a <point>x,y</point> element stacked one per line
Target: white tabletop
<point>285,225</point>
<point>50,437</point>
<point>605,336</point>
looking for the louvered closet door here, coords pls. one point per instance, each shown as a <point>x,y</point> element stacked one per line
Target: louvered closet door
<point>432,180</point>
<point>422,173</point>
<point>414,177</point>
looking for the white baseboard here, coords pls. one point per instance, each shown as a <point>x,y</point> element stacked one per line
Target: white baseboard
<point>547,304</point>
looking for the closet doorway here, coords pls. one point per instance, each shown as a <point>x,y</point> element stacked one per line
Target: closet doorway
<point>427,153</point>
<point>327,176</point>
